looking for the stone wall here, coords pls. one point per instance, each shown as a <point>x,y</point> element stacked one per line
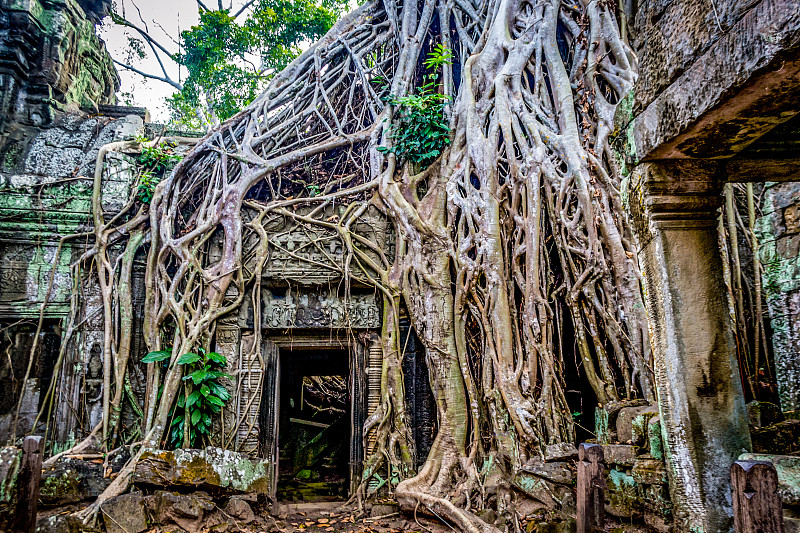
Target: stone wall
<point>779,241</point>
<point>51,57</point>
<point>46,181</point>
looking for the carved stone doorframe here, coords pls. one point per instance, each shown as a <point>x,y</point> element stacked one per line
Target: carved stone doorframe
<point>359,356</point>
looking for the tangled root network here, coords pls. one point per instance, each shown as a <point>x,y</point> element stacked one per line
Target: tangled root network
<point>511,247</point>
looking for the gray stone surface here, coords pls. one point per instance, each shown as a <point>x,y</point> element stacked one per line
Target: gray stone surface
<point>694,57</point>
<point>211,468</point>
<point>779,246</point>
<point>125,514</point>
<point>702,408</point>
<point>72,481</point>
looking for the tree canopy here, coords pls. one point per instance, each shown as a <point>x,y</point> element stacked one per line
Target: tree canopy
<point>226,59</point>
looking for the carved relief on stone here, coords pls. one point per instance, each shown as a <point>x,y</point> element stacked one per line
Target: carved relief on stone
<point>319,308</point>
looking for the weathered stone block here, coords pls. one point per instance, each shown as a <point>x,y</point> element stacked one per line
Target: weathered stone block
<point>605,419</point>
<point>622,495</point>
<point>188,511</point>
<point>240,510</point>
<point>760,414</point>
<point>560,451</point>
<point>10,461</point>
<point>557,472</point>
<point>619,454</point>
<point>125,514</point>
<point>212,469</point>
<point>632,424</point>
<point>552,495</point>
<point>791,217</point>
<point>72,481</point>
<point>655,437</point>
<point>649,471</point>
<point>788,468</point>
<point>777,438</point>
<point>64,523</point>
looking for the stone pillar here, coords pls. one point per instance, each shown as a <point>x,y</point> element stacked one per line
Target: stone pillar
<point>704,421</point>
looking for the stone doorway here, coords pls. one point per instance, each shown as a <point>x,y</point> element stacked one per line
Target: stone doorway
<point>314,418</point>
<point>312,415</point>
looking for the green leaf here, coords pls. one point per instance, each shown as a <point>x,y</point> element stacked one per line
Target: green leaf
<point>193,397</point>
<point>155,357</point>
<point>188,358</point>
<point>215,400</point>
<point>178,420</point>
<point>181,400</point>
<point>197,376</point>
<point>204,390</point>
<point>196,416</point>
<point>218,358</point>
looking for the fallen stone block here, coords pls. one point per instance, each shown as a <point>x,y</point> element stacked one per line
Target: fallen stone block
<point>632,424</point>
<point>63,523</point>
<point>212,469</point>
<point>125,514</point>
<point>72,480</point>
<point>240,510</point>
<point>557,472</point>
<point>187,511</point>
<point>788,469</point>
<point>554,496</point>
<point>560,451</point>
<point>619,454</point>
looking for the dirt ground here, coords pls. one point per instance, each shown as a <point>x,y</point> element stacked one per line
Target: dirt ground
<point>334,517</point>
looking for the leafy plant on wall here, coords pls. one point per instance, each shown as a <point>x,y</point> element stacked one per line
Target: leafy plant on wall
<point>203,395</point>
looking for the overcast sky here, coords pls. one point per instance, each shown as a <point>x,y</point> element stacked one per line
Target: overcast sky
<point>173,16</point>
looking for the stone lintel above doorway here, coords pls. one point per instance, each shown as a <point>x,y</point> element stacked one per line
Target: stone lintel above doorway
<point>315,307</point>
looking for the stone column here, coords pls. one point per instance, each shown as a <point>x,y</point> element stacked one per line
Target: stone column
<point>704,423</point>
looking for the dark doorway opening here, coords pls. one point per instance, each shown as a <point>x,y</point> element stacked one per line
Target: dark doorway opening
<point>420,403</point>
<point>314,425</point>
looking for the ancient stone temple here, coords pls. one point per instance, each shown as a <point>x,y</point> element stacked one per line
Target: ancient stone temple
<point>716,102</point>
<point>316,334</point>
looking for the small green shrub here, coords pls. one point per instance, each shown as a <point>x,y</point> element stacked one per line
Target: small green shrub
<point>422,131</point>
<point>203,395</point>
<point>154,162</point>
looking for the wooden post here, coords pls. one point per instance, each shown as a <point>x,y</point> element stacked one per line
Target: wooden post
<point>28,485</point>
<point>591,489</point>
<point>756,504</point>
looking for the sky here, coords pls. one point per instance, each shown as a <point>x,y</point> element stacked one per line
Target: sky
<point>173,16</point>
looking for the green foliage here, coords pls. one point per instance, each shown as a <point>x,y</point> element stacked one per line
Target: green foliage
<point>154,161</point>
<point>203,396</point>
<point>422,130</point>
<point>229,60</point>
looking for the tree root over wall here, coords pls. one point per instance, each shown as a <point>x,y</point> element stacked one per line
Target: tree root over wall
<point>514,231</point>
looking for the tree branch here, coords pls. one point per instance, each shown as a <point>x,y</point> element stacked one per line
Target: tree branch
<point>172,82</point>
<point>244,7</point>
